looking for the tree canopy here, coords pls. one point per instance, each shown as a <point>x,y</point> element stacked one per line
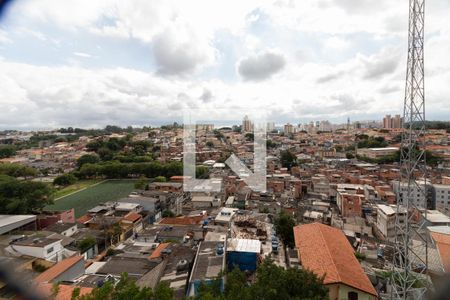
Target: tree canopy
<point>272,282</point>
<point>288,159</point>
<point>65,179</point>
<point>22,196</point>
<point>17,170</point>
<point>7,151</point>
<point>284,225</point>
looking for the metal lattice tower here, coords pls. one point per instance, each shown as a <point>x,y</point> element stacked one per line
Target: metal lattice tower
<point>411,249</point>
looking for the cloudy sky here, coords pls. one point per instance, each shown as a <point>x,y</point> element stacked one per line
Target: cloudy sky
<point>137,62</point>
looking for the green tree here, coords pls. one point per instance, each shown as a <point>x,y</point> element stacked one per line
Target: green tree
<point>18,170</point>
<point>7,151</point>
<point>86,243</point>
<point>94,145</point>
<point>105,153</point>
<point>168,214</point>
<point>272,282</point>
<point>65,179</point>
<point>160,179</point>
<point>284,225</point>
<point>201,172</point>
<point>141,183</point>
<point>22,196</point>
<point>87,158</point>
<point>270,144</point>
<point>249,136</point>
<point>288,159</point>
<point>236,287</point>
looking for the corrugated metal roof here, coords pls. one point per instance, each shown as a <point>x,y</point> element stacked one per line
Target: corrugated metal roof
<point>244,245</point>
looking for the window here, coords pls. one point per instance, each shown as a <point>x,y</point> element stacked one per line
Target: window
<point>352,296</point>
<point>50,250</point>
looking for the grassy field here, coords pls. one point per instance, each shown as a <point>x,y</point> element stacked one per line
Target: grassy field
<point>88,198</point>
<point>82,184</point>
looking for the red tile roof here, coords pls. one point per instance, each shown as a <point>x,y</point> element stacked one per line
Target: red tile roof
<point>132,217</point>
<point>58,269</point>
<point>65,291</point>
<point>443,245</point>
<point>83,219</point>
<point>182,220</point>
<point>157,252</point>
<point>326,251</point>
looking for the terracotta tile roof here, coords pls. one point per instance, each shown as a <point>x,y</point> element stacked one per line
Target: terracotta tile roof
<point>84,219</point>
<point>58,269</point>
<point>157,252</point>
<point>132,217</point>
<point>443,244</point>
<point>326,251</point>
<point>182,220</point>
<point>65,291</point>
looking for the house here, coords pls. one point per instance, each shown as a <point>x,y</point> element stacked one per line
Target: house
<point>46,248</point>
<point>441,238</point>
<point>166,186</point>
<point>435,218</point>
<point>326,251</point>
<point>68,269</point>
<point>243,253</point>
<point>134,220</point>
<point>225,215</point>
<point>48,218</point>
<point>204,201</point>
<point>67,229</point>
<point>386,215</point>
<point>349,199</point>
<point>209,264</point>
<point>179,260</point>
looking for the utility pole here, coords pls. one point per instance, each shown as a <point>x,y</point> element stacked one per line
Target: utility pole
<point>411,250</point>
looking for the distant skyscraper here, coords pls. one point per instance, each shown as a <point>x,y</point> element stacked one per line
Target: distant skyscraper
<point>288,128</point>
<point>387,122</point>
<point>325,126</point>
<point>270,126</point>
<point>392,122</point>
<point>247,125</point>
<point>397,122</point>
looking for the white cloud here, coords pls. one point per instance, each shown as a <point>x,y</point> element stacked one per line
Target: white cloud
<point>345,57</point>
<point>82,54</point>
<point>336,43</point>
<point>261,66</point>
<point>178,51</point>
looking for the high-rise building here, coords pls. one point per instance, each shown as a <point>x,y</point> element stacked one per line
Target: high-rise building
<point>392,122</point>
<point>387,122</point>
<point>288,128</point>
<point>397,122</point>
<point>325,126</point>
<point>270,126</point>
<point>247,125</point>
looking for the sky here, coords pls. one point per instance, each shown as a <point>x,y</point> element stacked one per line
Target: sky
<point>91,63</point>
